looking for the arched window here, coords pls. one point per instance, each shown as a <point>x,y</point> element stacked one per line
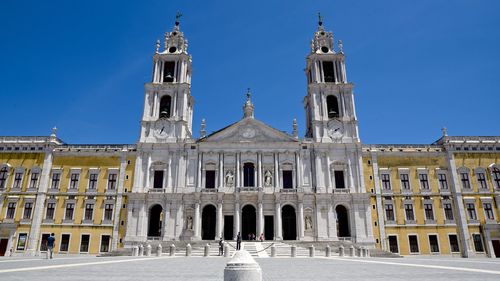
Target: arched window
<point>332,106</point>
<point>248,174</point>
<point>165,103</point>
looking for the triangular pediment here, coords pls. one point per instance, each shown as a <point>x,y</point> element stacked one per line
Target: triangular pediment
<point>248,130</point>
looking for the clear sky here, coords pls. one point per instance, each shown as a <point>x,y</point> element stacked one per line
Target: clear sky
<point>417,65</point>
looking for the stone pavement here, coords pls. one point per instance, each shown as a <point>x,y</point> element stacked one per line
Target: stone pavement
<point>198,268</point>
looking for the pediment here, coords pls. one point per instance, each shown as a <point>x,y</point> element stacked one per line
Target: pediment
<point>248,130</point>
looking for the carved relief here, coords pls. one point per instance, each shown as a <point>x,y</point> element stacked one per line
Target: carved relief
<point>268,178</point>
<point>229,179</point>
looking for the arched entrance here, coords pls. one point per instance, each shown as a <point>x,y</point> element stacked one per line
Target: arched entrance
<point>343,229</point>
<point>248,221</point>
<point>289,223</point>
<point>155,221</point>
<point>208,216</point>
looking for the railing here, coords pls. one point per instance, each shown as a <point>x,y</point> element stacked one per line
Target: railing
<point>154,238</point>
<point>341,190</point>
<point>345,239</point>
<point>209,190</point>
<point>156,190</point>
<point>248,189</point>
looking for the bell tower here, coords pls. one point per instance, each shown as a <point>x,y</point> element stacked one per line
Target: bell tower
<point>168,104</point>
<point>329,104</point>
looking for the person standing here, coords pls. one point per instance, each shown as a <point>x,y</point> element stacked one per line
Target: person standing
<point>238,241</point>
<point>51,240</point>
<point>221,247</point>
<point>261,237</point>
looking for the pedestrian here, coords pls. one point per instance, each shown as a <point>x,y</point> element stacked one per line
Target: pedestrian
<point>261,237</point>
<point>253,236</point>
<point>249,236</point>
<point>221,247</point>
<point>238,241</point>
<point>51,240</point>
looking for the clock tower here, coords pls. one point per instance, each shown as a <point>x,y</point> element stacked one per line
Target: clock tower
<point>168,104</point>
<point>329,104</point>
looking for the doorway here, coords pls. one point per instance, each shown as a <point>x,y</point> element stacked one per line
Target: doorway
<point>269,227</point>
<point>342,222</point>
<point>248,225</point>
<point>496,247</point>
<point>208,217</point>
<point>155,221</point>
<point>228,228</point>
<point>3,246</point>
<point>289,223</point>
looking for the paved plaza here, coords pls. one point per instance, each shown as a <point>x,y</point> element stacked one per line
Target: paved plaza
<point>212,268</point>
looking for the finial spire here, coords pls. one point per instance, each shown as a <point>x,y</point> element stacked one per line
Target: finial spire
<point>178,16</point>
<point>445,133</point>
<point>341,47</point>
<point>158,46</point>
<point>320,19</point>
<point>248,107</point>
<point>294,127</point>
<point>249,94</point>
<point>203,131</point>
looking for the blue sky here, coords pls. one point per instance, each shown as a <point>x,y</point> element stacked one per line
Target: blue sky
<point>416,65</point>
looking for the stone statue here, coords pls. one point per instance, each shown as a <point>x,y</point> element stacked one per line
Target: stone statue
<point>268,178</point>
<point>308,223</point>
<point>229,178</point>
<point>190,223</point>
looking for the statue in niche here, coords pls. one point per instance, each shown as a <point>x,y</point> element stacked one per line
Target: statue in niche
<point>268,178</point>
<point>189,224</point>
<point>308,222</point>
<point>229,178</point>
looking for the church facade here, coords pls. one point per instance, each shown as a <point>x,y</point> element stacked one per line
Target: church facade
<point>250,178</point>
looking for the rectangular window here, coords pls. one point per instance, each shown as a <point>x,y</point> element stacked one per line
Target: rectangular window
<point>104,243</point>
<point>73,184</point>
<point>11,210</point>
<point>210,179</point>
<point>28,207</point>
<point>328,71</point>
<point>405,181</point>
<point>339,179</point>
<point>495,174</point>
<point>21,241</point>
<point>429,214</point>
<point>478,242</point>
<point>49,215</point>
<point>448,211</point>
<point>89,211</point>
<point>158,179</point>
<point>488,211</point>
<point>34,180</point>
<point>424,181</point>
<point>56,178</point>
<point>413,239</point>
<point>108,212</point>
<point>481,180</point>
<point>4,174</point>
<point>93,180</point>
<point>43,242</point>
<point>64,243</point>
<point>70,207</point>
<point>84,243</point>
<point>454,243</point>
<point>409,212</point>
<point>393,244</point>
<point>287,179</point>
<point>112,181</point>
<point>443,183</point>
<point>18,179</point>
<point>471,211</point>
<point>386,181</point>
<point>389,212</point>
<point>433,241</point>
<point>464,178</point>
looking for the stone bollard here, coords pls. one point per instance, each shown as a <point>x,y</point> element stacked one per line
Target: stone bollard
<point>364,252</point>
<point>273,251</point>
<point>148,250</point>
<point>328,251</point>
<point>159,250</point>
<point>141,250</point>
<point>172,250</point>
<point>293,253</point>
<point>226,250</point>
<point>135,251</point>
<point>341,251</point>
<point>367,252</point>
<point>358,252</point>
<point>206,250</point>
<point>351,251</point>
<point>242,267</point>
<point>188,250</point>
<point>311,251</point>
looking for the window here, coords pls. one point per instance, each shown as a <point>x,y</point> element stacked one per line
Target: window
<point>433,241</point>
<point>11,210</point>
<point>328,71</point>
<point>454,243</point>
<point>210,179</point>
<point>413,239</point>
<point>409,212</point>
<point>112,181</point>
<point>158,179</point>
<point>464,178</point>
<point>405,182</point>
<point>28,207</point>
<point>478,242</point>
<point>89,211</point>
<point>471,211</point>
<point>84,243</point>
<point>34,180</point>
<point>21,241</point>
<point>287,179</point>
<point>481,180</point>
<point>4,174</point>
<point>448,211</point>
<point>49,215</point>
<point>424,181</point>
<point>93,180</point>
<point>339,179</point>
<point>429,214</point>
<point>56,178</point>
<point>18,179</point>
<point>73,184</point>
<point>168,71</point>
<point>495,174</point>
<point>70,208</point>
<point>488,211</point>
<point>393,244</point>
<point>248,174</point>
<point>332,107</point>
<point>389,212</point>
<point>443,183</point>
<point>64,243</point>
<point>108,212</point>
<point>165,105</point>
<point>386,181</point>
<point>105,243</point>
<point>43,242</point>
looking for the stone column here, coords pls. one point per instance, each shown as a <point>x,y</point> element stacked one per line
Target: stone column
<point>237,171</point>
<point>218,231</point>
<point>260,219</point>
<point>118,203</point>
<point>259,169</point>
<point>349,171</point>
<point>236,217</point>
<point>221,170</point>
<point>378,198</point>
<point>298,173</point>
<point>197,220</point>
<point>148,172</point>
<point>330,185</point>
<point>143,223</point>
<point>332,221</point>
<point>277,222</point>
<point>276,172</point>
<point>318,172</point>
<point>300,220</point>
<point>166,221</point>
<point>169,172</point>
<point>199,174</point>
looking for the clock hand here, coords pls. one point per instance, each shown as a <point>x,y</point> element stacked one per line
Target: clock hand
<point>162,129</point>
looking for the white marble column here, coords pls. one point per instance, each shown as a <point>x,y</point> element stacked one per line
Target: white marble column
<point>237,171</point>
<point>329,182</point>
<point>350,173</point>
<point>277,222</point>
<point>221,170</point>
<point>200,168</point>
<point>276,172</point>
<point>166,220</point>
<point>300,220</point>
<point>169,172</point>
<point>260,219</point>
<point>220,218</point>
<point>298,173</point>
<point>236,218</point>
<point>197,221</point>
<point>318,171</point>
<point>259,169</point>
<point>148,172</point>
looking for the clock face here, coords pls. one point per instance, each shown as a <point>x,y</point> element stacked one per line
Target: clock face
<point>335,129</point>
<point>161,129</point>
